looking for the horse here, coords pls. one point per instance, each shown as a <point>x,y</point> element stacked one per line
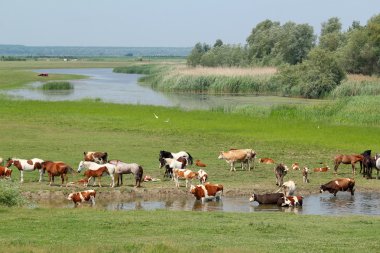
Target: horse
<point>368,163</point>
<point>167,154</point>
<point>347,159</point>
<point>98,173</point>
<point>26,165</point>
<point>127,168</point>
<point>171,163</point>
<point>95,166</point>
<point>56,169</point>
<point>377,164</point>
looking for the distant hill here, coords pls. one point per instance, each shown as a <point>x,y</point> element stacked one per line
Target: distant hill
<point>20,50</point>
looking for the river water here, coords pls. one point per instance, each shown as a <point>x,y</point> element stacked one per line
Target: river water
<point>105,85</point>
<point>315,204</point>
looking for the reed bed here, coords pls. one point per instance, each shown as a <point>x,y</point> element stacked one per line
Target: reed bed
<point>59,85</point>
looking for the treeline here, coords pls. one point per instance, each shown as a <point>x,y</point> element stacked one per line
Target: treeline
<point>308,66</point>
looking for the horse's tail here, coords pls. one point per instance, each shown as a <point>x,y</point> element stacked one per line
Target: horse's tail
<point>141,173</point>
<point>190,159</point>
<point>70,170</point>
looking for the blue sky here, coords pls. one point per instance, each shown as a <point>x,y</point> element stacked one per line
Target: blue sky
<point>162,22</point>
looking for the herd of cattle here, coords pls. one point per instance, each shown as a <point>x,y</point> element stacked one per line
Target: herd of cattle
<point>97,165</point>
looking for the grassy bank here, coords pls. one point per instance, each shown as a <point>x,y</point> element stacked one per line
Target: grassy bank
<point>88,230</point>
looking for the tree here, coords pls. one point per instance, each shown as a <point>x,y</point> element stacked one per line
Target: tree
<point>196,54</point>
<point>331,35</point>
<point>218,43</point>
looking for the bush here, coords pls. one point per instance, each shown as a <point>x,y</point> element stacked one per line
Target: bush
<point>10,194</point>
<point>57,86</point>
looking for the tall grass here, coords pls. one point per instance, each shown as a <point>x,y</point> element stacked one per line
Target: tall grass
<point>351,88</point>
<point>10,194</point>
<point>58,85</point>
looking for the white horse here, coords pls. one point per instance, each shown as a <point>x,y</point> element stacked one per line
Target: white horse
<point>377,165</point>
<point>96,166</point>
<point>26,165</point>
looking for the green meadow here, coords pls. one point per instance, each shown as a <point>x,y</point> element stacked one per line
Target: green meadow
<point>305,134</point>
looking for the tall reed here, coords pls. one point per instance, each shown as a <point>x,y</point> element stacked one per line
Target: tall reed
<point>58,85</point>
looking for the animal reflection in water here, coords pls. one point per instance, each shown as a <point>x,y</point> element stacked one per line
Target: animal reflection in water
<point>207,205</point>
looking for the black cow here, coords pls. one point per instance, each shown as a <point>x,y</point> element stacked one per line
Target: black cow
<point>268,198</point>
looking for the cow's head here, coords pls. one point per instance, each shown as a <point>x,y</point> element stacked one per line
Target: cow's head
<point>322,188</point>
<point>252,198</point>
<point>221,156</point>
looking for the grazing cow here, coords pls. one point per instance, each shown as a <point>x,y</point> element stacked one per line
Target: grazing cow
<point>339,184</point>
<point>268,198</point>
<point>78,197</point>
<point>266,160</point>
<point>5,172</point>
<point>280,171</point>
<point>199,163</point>
<point>235,155</point>
<point>290,201</point>
<point>97,157</point>
<point>202,176</point>
<point>305,173</point>
<point>207,191</point>
<point>321,169</point>
<point>188,175</point>
<point>295,166</point>
<point>288,188</point>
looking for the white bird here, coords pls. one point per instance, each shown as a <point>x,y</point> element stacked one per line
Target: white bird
<point>166,121</point>
<point>155,116</point>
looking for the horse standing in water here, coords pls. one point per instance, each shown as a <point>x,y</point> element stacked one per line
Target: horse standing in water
<point>127,168</point>
<point>347,159</point>
<point>56,169</point>
<point>26,165</point>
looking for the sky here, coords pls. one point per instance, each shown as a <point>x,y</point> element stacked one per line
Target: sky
<point>162,23</point>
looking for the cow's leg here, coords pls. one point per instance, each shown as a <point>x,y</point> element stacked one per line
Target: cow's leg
<point>92,200</point>
<point>21,176</point>
<point>41,173</point>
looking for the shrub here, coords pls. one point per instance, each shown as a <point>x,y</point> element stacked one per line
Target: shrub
<point>57,86</point>
<point>10,194</point>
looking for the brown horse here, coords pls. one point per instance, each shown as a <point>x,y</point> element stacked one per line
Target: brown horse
<point>56,169</point>
<point>95,173</point>
<point>347,159</point>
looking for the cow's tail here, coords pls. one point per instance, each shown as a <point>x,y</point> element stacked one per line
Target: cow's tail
<point>190,162</point>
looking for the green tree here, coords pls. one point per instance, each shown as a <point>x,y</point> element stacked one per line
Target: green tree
<point>196,54</point>
<point>218,43</point>
<point>331,35</point>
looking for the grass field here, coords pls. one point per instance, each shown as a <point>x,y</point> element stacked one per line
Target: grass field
<point>305,134</point>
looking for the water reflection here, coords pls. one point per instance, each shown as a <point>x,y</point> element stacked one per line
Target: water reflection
<point>111,87</point>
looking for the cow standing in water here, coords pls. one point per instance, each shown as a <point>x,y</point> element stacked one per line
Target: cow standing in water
<point>339,184</point>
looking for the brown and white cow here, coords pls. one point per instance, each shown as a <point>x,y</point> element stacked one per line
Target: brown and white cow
<point>295,166</point>
<point>237,155</point>
<point>98,157</point>
<point>186,174</point>
<point>322,169</point>
<point>266,160</point>
<point>79,197</point>
<point>290,201</point>
<point>305,173</point>
<point>5,172</point>
<point>268,198</point>
<point>207,191</point>
<point>288,188</point>
<point>202,176</point>
<point>339,184</point>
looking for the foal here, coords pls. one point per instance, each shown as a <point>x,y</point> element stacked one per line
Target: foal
<point>95,173</point>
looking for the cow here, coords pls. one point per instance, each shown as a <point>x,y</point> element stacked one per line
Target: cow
<point>202,176</point>
<point>5,172</point>
<point>290,201</point>
<point>305,173</point>
<point>207,191</point>
<point>288,188</point>
<point>97,157</point>
<point>199,163</point>
<point>339,184</point>
<point>79,197</point>
<point>266,160</point>
<point>322,169</point>
<point>280,171</point>
<point>186,174</point>
<point>295,166</point>
<point>268,198</point>
<point>1,161</point>
<point>235,155</point>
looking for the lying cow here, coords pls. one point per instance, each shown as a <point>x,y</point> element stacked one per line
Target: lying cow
<point>322,169</point>
<point>207,191</point>
<point>79,197</point>
<point>97,157</point>
<point>295,166</point>
<point>5,172</point>
<point>268,198</point>
<point>339,184</point>
<point>266,160</point>
<point>237,155</point>
<point>280,171</point>
<point>290,201</point>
